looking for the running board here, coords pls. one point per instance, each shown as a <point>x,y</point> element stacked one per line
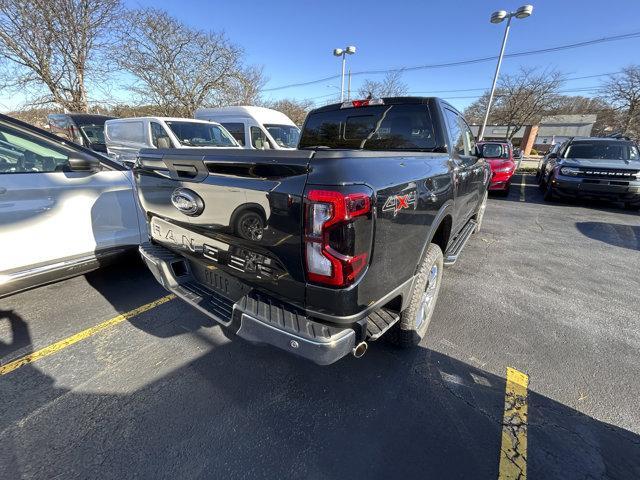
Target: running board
<point>379,322</point>
<point>453,252</point>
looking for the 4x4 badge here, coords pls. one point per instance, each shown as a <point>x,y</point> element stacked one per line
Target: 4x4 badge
<point>395,203</point>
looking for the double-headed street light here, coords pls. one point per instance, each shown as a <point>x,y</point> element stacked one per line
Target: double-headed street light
<point>497,17</point>
<point>343,52</point>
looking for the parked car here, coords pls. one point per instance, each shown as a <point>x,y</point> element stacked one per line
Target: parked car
<point>125,137</point>
<point>255,127</point>
<point>64,209</point>
<point>81,128</point>
<point>500,158</point>
<point>542,163</point>
<point>603,168</point>
<point>358,225</point>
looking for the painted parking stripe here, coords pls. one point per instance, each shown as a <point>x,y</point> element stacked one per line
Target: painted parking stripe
<point>62,344</point>
<point>523,185</point>
<point>513,450</point>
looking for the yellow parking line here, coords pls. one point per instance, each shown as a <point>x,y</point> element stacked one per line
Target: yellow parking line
<point>55,347</point>
<point>513,451</point>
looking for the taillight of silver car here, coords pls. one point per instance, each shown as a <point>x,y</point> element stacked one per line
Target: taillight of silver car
<point>337,247</point>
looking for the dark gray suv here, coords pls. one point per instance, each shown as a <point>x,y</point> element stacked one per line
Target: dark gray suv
<point>605,168</point>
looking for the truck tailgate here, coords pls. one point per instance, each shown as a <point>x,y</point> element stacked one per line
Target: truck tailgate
<point>237,212</point>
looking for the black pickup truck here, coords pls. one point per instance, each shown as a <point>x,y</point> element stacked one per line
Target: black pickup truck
<point>319,250</point>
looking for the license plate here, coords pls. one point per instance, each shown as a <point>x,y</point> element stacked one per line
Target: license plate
<point>219,281</point>
<point>179,238</point>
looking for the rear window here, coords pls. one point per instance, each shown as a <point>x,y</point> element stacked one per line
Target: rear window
<point>380,127</point>
<point>614,150</point>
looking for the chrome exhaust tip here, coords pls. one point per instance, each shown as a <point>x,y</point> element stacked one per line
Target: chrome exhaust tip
<point>360,349</point>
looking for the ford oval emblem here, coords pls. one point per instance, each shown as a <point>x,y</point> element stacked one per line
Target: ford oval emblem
<point>187,201</point>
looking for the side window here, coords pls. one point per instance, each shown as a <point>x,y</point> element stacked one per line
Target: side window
<point>24,153</point>
<point>455,133</point>
<point>259,139</point>
<point>130,132</point>
<point>159,136</point>
<point>469,138</point>
<point>237,130</point>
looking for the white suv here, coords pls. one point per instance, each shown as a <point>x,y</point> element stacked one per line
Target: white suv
<point>63,208</point>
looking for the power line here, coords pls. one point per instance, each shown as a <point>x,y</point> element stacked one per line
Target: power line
<point>568,46</point>
<point>430,92</point>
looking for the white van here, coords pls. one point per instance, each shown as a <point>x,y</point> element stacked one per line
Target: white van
<point>255,127</point>
<point>125,137</point>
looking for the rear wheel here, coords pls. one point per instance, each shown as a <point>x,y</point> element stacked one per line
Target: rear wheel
<point>548,192</point>
<point>415,319</point>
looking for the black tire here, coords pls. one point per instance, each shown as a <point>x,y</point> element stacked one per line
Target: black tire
<point>548,196</point>
<point>415,319</point>
<point>632,206</point>
<point>480,212</point>
<point>541,181</point>
<point>250,226</point>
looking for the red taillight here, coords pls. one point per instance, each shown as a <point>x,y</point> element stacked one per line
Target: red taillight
<point>327,211</point>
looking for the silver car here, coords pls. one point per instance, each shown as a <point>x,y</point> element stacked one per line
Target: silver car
<point>64,209</point>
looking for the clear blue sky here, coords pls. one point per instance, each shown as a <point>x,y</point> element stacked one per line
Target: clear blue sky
<point>293,40</point>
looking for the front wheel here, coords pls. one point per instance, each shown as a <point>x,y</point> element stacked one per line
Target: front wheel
<point>480,212</point>
<point>415,319</point>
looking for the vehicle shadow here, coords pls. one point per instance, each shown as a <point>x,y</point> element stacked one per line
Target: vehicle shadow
<point>13,326</point>
<point>239,411</point>
<point>625,236</point>
<point>531,193</point>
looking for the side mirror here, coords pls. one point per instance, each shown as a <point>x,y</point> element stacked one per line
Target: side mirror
<point>553,155</point>
<point>84,164</point>
<point>478,152</point>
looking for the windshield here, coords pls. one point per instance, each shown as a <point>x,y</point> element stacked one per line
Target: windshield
<point>286,136</point>
<point>380,127</point>
<point>95,133</point>
<point>495,150</point>
<point>195,134</point>
<point>613,150</point>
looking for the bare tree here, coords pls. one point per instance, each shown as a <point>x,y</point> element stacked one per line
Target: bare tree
<point>296,110</point>
<point>521,99</point>
<point>179,68</point>
<point>622,91</point>
<point>52,49</point>
<point>390,86</point>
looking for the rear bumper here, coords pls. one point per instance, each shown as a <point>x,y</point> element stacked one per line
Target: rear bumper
<point>254,317</point>
<point>500,180</point>
<point>576,187</point>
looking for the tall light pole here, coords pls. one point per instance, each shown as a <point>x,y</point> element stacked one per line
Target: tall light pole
<point>497,17</point>
<point>343,52</point>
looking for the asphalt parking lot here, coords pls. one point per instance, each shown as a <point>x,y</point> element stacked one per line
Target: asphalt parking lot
<point>550,289</point>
